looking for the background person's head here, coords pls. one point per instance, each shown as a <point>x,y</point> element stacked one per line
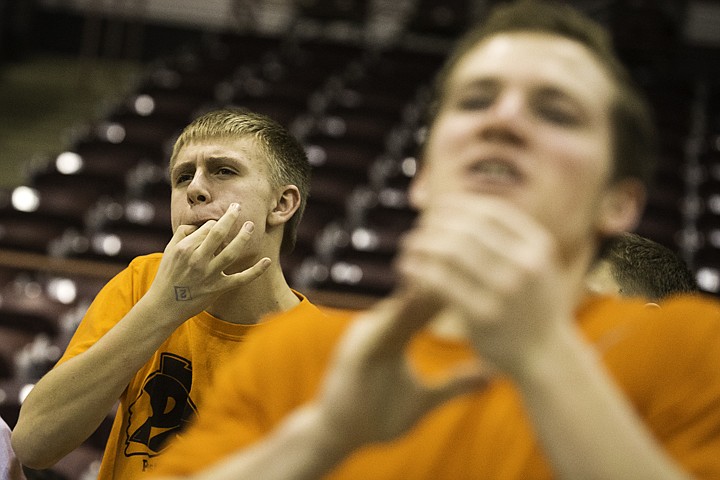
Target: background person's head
<point>635,266</point>
<point>286,158</point>
<point>534,106</point>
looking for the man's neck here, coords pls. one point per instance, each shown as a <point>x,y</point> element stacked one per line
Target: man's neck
<point>267,294</point>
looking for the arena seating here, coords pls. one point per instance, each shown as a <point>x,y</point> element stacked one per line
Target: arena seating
<point>357,108</point>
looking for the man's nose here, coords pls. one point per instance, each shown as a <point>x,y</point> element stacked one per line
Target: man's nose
<point>510,105</point>
<point>198,191</point>
<point>506,120</point>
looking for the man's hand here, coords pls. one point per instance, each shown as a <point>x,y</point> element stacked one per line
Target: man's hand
<point>497,268</point>
<point>192,272</point>
<point>372,392</point>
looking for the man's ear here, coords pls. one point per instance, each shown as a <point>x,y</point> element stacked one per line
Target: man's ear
<point>622,207</point>
<point>287,203</point>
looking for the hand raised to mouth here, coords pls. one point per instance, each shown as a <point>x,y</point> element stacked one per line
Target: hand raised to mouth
<point>192,272</point>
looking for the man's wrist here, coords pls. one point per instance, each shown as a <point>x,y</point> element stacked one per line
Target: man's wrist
<point>333,442</point>
<point>558,351</point>
<point>309,436</point>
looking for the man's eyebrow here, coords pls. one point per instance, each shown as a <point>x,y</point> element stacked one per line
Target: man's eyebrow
<point>552,91</point>
<point>224,159</point>
<point>238,162</point>
<point>476,84</point>
<point>212,160</point>
<point>181,167</point>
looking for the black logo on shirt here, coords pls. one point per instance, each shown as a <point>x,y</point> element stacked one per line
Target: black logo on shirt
<point>162,409</point>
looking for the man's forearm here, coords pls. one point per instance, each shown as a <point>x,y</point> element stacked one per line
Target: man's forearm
<point>300,448</point>
<point>70,402</point>
<point>585,425</point>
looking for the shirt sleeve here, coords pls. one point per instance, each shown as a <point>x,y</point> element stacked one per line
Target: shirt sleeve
<point>686,408</point>
<point>669,366</point>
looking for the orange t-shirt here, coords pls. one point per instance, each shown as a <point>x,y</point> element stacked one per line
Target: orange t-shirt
<point>172,386</point>
<point>667,361</point>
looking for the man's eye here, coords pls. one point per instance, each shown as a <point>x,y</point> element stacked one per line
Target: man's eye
<point>474,102</point>
<point>225,171</point>
<point>183,178</point>
<point>559,115</point>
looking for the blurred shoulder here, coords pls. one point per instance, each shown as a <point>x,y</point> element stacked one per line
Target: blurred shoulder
<point>688,320</point>
<point>306,320</point>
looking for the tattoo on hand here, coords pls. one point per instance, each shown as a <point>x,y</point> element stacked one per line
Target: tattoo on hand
<point>182,294</point>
